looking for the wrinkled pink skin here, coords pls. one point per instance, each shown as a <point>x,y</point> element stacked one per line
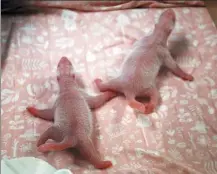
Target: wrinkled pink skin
<point>72,117</point>
<point>140,68</point>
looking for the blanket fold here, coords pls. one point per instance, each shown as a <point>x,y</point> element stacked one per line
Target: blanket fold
<point>99,5</point>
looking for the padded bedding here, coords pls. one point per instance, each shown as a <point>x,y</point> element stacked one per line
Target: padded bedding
<point>180,137</point>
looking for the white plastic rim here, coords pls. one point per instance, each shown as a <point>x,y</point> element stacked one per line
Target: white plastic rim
<point>63,171</point>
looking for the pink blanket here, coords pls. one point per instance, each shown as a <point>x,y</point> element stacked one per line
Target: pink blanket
<point>179,138</point>
<point>114,5</point>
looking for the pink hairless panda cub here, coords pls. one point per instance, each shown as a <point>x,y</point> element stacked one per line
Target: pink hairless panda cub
<point>141,66</point>
<point>72,117</point>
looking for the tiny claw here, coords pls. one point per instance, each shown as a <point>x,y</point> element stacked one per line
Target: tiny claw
<point>32,110</point>
<point>104,165</point>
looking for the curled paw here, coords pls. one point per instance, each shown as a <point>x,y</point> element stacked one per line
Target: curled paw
<point>104,165</point>
<point>44,148</point>
<point>52,147</point>
<point>138,106</point>
<point>149,108</point>
<point>32,110</point>
<point>188,77</point>
<point>111,94</point>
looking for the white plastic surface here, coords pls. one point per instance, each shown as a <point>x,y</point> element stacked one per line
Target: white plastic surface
<point>27,165</point>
